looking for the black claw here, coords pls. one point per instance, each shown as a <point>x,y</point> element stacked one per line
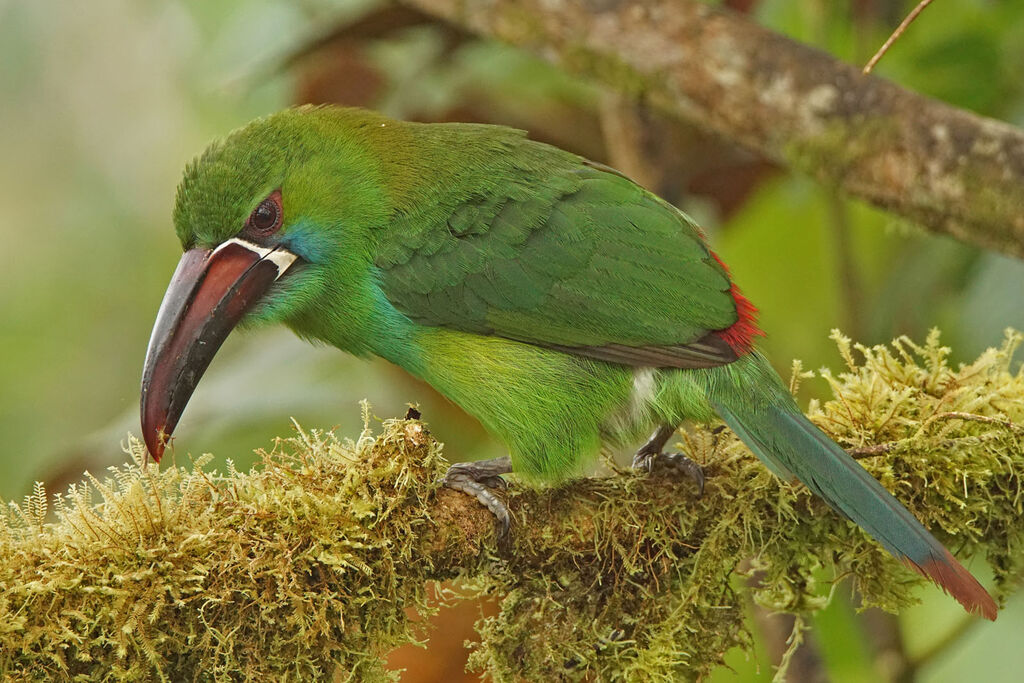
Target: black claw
<point>646,461</point>
<point>687,467</point>
<point>497,483</point>
<point>643,460</point>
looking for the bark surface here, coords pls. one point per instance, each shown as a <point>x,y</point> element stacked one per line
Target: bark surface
<point>952,171</point>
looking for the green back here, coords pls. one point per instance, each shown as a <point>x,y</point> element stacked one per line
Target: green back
<point>527,242</point>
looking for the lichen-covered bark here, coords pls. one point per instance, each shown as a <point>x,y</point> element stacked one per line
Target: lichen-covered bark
<point>306,567</point>
<point>953,171</point>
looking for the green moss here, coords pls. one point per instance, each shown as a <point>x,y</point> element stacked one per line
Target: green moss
<point>305,566</point>
<point>608,69</point>
<point>836,147</point>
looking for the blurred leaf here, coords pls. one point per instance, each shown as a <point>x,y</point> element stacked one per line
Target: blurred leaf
<point>992,301</point>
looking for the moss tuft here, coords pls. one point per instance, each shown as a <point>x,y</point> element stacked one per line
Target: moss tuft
<point>304,567</point>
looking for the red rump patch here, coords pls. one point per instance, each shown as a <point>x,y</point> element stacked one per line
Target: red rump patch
<point>740,335</point>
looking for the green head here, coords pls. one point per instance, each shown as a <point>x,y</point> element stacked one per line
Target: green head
<point>306,180</point>
<point>274,220</point>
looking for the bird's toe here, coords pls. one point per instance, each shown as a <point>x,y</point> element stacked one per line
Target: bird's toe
<point>480,480</point>
<point>648,462</point>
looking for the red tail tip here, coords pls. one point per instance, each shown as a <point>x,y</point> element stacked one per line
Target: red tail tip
<point>954,578</point>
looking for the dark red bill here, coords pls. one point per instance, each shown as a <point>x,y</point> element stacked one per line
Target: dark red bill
<point>210,292</point>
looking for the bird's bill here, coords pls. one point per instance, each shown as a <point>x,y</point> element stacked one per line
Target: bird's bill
<point>209,293</point>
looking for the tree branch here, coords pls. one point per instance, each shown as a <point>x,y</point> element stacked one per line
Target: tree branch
<point>307,566</point>
<point>954,172</point>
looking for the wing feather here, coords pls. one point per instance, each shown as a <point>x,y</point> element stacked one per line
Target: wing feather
<point>578,259</point>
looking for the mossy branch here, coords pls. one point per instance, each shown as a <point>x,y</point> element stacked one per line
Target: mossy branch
<point>305,566</point>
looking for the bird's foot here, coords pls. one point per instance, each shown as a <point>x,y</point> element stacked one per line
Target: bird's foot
<point>647,460</point>
<point>480,479</point>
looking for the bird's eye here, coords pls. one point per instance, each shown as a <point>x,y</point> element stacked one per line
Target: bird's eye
<point>266,218</point>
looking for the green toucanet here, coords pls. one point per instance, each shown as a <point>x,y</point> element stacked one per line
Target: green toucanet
<point>552,298</point>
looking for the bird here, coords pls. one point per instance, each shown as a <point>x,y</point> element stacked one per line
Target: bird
<point>559,303</point>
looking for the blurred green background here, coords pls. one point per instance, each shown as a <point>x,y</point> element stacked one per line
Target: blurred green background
<point>101,108</point>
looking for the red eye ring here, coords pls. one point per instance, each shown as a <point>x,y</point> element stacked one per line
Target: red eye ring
<point>266,218</point>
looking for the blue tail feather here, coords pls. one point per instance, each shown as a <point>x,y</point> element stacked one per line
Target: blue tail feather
<point>765,417</point>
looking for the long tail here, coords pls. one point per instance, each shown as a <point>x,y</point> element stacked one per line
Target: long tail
<point>752,400</point>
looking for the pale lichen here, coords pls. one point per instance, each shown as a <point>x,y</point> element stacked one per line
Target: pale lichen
<point>304,567</point>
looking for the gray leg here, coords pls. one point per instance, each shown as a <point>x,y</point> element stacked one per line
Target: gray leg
<point>478,479</point>
<point>651,454</point>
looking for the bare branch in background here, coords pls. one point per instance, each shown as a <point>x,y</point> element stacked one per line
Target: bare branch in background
<point>955,172</point>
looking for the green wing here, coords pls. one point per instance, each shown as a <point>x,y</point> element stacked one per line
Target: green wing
<point>580,259</point>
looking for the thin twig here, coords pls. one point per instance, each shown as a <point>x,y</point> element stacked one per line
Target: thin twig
<point>882,448</point>
<point>896,34</point>
<point>869,451</point>
<point>971,417</point>
<point>940,646</point>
